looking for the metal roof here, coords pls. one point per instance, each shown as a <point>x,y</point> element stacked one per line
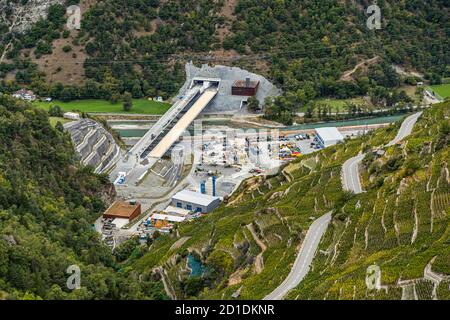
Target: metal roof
<point>182,124</point>
<point>122,209</point>
<point>194,197</point>
<point>168,217</point>
<point>329,134</point>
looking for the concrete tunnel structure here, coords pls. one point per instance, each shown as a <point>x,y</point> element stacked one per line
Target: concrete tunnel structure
<point>160,138</point>
<point>178,118</point>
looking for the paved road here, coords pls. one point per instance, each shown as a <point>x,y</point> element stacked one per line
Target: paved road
<point>405,129</point>
<point>350,177</point>
<point>350,174</point>
<point>304,258</point>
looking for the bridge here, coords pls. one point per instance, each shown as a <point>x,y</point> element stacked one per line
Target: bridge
<point>159,140</point>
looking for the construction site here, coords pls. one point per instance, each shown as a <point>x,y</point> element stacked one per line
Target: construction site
<point>167,159</point>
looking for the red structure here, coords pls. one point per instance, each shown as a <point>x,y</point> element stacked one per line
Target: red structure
<point>244,87</point>
<point>123,209</point>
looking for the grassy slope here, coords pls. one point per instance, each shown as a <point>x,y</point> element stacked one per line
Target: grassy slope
<point>337,104</point>
<point>54,120</point>
<point>381,231</point>
<point>140,106</point>
<point>443,90</point>
<point>310,194</point>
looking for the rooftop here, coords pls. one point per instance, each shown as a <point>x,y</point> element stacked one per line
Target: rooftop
<point>168,217</point>
<point>242,84</point>
<point>122,209</point>
<point>24,91</point>
<point>194,197</point>
<point>329,133</point>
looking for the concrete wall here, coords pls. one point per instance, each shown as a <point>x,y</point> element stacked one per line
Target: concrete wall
<point>225,102</point>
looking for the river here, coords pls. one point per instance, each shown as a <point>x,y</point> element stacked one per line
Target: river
<point>137,128</point>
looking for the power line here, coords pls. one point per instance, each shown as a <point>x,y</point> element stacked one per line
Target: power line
<point>305,51</point>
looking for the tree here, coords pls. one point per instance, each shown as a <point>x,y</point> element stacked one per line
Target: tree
<point>253,104</point>
<point>114,98</point>
<point>59,126</point>
<point>127,101</point>
<point>69,93</point>
<point>136,91</point>
<point>55,111</point>
<point>192,286</point>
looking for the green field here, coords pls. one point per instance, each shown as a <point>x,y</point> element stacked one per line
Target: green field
<point>140,106</point>
<point>443,90</point>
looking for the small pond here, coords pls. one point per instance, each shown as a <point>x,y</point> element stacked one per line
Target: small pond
<point>196,266</point>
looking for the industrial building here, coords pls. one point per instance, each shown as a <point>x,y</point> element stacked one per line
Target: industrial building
<point>123,210</point>
<point>209,186</point>
<point>244,88</point>
<point>328,136</point>
<point>194,201</point>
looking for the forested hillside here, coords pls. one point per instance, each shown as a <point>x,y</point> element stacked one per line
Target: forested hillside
<point>47,206</point>
<point>400,224</point>
<point>306,47</point>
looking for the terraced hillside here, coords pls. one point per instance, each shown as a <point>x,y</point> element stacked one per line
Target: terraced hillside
<point>95,146</point>
<point>401,223</point>
<point>248,245</point>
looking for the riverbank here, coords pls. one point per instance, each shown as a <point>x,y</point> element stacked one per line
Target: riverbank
<point>137,128</point>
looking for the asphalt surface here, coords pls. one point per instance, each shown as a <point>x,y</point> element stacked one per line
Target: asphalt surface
<point>350,174</point>
<point>405,129</point>
<point>351,181</point>
<point>304,258</point>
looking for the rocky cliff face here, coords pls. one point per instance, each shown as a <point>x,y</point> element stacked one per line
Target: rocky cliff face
<point>20,15</point>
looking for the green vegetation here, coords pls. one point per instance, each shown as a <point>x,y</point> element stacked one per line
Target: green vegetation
<point>127,102</point>
<point>308,48</point>
<point>140,106</point>
<point>338,105</point>
<point>443,90</point>
<point>54,120</point>
<point>47,206</point>
<point>281,208</point>
<point>401,223</point>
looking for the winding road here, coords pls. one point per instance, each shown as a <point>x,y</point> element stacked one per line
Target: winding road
<point>351,182</point>
<point>350,172</point>
<point>405,129</point>
<point>304,258</point>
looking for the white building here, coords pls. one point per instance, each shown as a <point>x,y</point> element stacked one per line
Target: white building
<point>328,136</point>
<point>71,115</point>
<point>24,94</point>
<point>195,201</point>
